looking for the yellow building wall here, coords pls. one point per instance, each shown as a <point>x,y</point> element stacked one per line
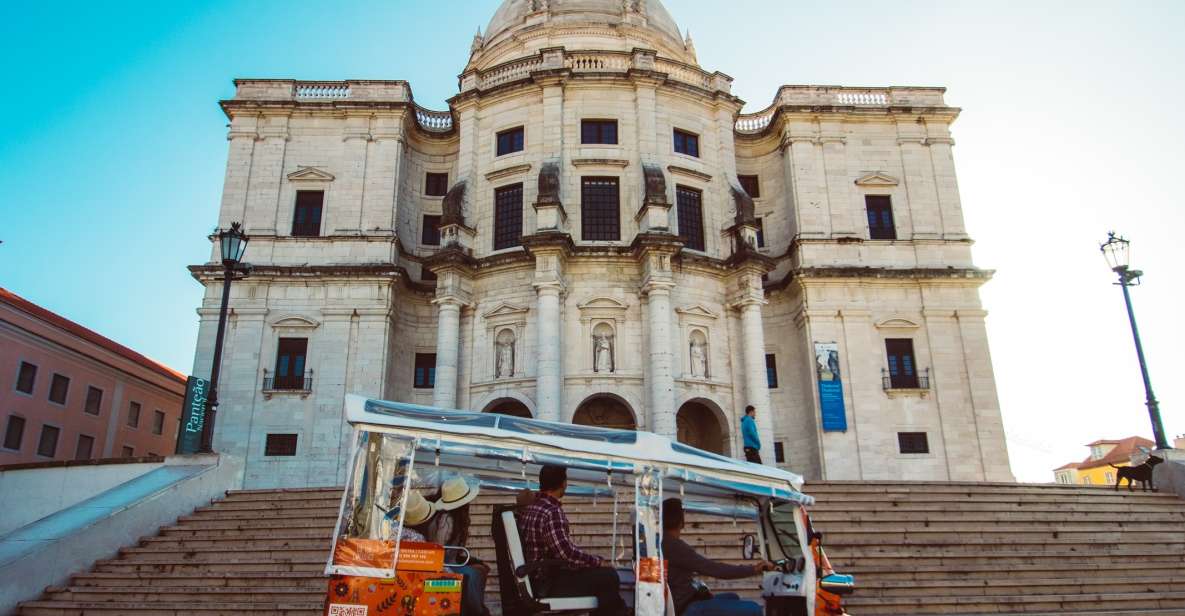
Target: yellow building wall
<point>1099,475</point>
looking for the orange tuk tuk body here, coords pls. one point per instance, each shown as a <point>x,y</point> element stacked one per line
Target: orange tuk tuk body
<point>421,586</point>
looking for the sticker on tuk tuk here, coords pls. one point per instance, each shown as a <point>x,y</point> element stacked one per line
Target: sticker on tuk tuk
<point>337,609</point>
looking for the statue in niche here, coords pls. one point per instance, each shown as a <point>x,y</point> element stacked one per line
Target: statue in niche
<point>656,184</point>
<point>699,356</point>
<point>504,355</point>
<point>549,182</point>
<point>454,206</point>
<point>603,350</point>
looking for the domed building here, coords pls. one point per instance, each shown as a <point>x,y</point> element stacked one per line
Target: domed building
<point>594,233</point>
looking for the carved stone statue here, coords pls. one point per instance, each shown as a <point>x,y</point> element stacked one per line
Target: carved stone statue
<point>603,352</point>
<point>699,358</point>
<point>549,182</point>
<point>504,360</point>
<point>656,183</point>
<point>454,205</point>
<point>746,213</point>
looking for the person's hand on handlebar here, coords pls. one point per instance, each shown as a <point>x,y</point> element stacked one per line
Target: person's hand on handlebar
<point>764,566</point>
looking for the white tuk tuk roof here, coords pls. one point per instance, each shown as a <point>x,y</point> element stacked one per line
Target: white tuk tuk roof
<point>592,448</point>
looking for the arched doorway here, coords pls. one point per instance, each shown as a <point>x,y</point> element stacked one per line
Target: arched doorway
<point>508,406</point>
<point>699,426</point>
<point>605,412</point>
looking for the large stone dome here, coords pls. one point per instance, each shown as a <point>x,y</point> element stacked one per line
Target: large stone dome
<point>522,27</point>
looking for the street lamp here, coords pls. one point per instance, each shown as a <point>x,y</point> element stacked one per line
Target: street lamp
<point>1117,252</point>
<point>232,244</point>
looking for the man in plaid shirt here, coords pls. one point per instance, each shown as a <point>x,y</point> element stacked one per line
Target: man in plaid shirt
<point>544,529</point>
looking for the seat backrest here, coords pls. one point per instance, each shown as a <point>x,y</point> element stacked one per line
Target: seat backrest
<point>514,546</point>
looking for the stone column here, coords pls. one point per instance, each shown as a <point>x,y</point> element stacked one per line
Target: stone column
<point>756,385</point>
<point>549,380</point>
<point>661,377</point>
<point>448,339</point>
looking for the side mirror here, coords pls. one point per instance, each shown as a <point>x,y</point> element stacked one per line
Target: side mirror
<point>749,549</point>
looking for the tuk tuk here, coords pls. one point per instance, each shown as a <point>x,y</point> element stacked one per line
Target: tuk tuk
<point>401,451</point>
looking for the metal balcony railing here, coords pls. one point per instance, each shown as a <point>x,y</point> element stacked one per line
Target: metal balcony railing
<point>919,380</point>
<point>301,383</point>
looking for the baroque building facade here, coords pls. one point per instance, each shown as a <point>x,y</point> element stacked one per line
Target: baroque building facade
<point>594,233</point>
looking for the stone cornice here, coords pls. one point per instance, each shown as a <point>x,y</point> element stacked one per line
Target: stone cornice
<point>699,175</point>
<point>506,172</point>
<point>203,273</point>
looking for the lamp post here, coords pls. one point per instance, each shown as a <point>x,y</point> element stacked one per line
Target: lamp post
<point>233,243</point>
<point>1117,252</point>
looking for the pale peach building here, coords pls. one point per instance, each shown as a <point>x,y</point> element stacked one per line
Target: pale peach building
<point>68,393</point>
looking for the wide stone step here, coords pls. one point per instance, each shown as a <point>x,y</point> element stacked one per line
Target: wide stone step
<point>213,564</point>
<point>876,506</point>
<point>981,518</point>
<point>1002,536</point>
<point>179,608</point>
<point>170,594</point>
<point>313,579</point>
<point>1014,604</point>
<point>844,561</point>
<point>1014,586</point>
<point>878,487</point>
<point>990,570</point>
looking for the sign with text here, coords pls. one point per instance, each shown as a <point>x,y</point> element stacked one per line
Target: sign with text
<point>193,415</point>
<point>830,387</point>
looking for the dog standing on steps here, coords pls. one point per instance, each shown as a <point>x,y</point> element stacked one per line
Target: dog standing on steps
<point>1141,473</point>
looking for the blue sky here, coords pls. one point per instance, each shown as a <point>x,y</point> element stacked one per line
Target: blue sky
<point>113,150</point>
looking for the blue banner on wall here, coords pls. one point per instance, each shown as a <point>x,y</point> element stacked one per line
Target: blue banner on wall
<point>830,387</point>
<point>193,415</point>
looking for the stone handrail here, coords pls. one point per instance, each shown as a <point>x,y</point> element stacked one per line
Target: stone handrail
<point>684,72</point>
<point>322,91</point>
<point>597,61</point>
<point>836,96</point>
<point>292,90</point>
<point>434,121</point>
<point>509,71</point>
<point>594,61</point>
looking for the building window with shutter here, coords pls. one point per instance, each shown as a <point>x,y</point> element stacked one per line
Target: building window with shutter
<point>686,143</point>
<point>86,445</point>
<point>26,378</point>
<point>280,445</point>
<point>94,400</point>
<point>134,415</point>
<point>14,433</point>
<point>598,132</point>
<point>47,445</point>
<point>291,354</point>
<point>306,219</point>
<point>425,375</point>
<point>751,185</point>
<point>508,216</point>
<point>771,371</point>
<point>59,389</point>
<point>436,185</point>
<point>913,442</point>
<point>600,209</point>
<point>880,217</point>
<point>158,422</point>
<point>510,141</point>
<point>903,370</point>
<point>689,202</point>
<point>430,232</point>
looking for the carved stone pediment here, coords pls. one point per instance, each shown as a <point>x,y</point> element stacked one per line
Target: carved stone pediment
<point>877,178</point>
<point>294,320</point>
<point>311,174</point>
<point>506,310</point>
<point>696,311</point>
<point>897,323</point>
<point>603,303</point>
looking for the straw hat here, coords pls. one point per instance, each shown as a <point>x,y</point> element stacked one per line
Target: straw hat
<point>456,492</point>
<point>419,509</point>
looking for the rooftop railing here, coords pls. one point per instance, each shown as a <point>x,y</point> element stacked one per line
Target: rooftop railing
<point>836,96</point>
<point>594,61</point>
<point>353,90</point>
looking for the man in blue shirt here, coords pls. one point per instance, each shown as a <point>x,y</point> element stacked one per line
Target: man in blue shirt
<point>752,442</point>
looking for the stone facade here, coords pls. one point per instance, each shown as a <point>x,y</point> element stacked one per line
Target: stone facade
<point>642,331</point>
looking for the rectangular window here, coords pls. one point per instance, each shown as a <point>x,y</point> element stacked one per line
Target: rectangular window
<point>134,415</point>
<point>59,389</point>
<point>425,377</point>
<point>903,370</point>
<point>430,232</point>
<point>128,452</point>
<point>751,185</point>
<point>436,185</point>
<point>26,378</point>
<point>598,131</point>
<point>426,274</point>
<point>280,445</point>
<point>158,422</point>
<point>600,206</point>
<point>306,220</point>
<point>760,233</point>
<point>510,141</point>
<point>913,442</point>
<point>94,400</point>
<point>508,216</point>
<point>779,452</point>
<point>86,445</point>
<point>290,363</point>
<point>686,143</point>
<point>771,371</point>
<point>880,217</point>
<point>691,217</point>
<point>14,433</point>
<point>47,445</point>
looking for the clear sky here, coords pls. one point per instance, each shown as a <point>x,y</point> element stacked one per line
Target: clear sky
<point>113,150</point>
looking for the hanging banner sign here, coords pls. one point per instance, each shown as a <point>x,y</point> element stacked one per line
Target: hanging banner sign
<point>830,387</point>
<point>193,415</point>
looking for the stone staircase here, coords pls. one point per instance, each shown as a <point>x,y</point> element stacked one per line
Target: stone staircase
<point>920,548</point>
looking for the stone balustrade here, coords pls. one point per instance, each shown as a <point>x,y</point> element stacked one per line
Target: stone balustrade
<point>354,90</point>
<point>434,121</point>
<point>594,61</point>
<point>835,96</point>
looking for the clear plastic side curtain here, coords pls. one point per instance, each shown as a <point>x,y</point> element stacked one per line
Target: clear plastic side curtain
<point>366,540</point>
<point>650,590</point>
